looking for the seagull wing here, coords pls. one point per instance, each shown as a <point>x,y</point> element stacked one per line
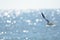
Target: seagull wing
<point>45,17</point>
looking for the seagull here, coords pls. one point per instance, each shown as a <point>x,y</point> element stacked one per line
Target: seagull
<point>48,22</point>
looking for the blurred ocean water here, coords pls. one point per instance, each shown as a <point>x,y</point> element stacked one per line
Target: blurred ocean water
<point>29,25</point>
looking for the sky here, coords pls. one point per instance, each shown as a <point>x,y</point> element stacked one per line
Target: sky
<point>29,4</point>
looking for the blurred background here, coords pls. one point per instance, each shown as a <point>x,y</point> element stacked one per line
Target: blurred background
<point>29,4</point>
<point>22,20</point>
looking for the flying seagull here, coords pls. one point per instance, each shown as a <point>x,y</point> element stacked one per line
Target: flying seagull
<point>48,22</point>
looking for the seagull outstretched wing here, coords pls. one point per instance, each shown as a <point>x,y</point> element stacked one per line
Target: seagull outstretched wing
<point>45,17</point>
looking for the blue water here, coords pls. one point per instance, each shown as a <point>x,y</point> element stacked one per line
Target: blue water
<point>29,25</point>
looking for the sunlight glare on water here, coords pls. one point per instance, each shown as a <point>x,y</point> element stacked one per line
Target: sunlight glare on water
<point>29,24</point>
